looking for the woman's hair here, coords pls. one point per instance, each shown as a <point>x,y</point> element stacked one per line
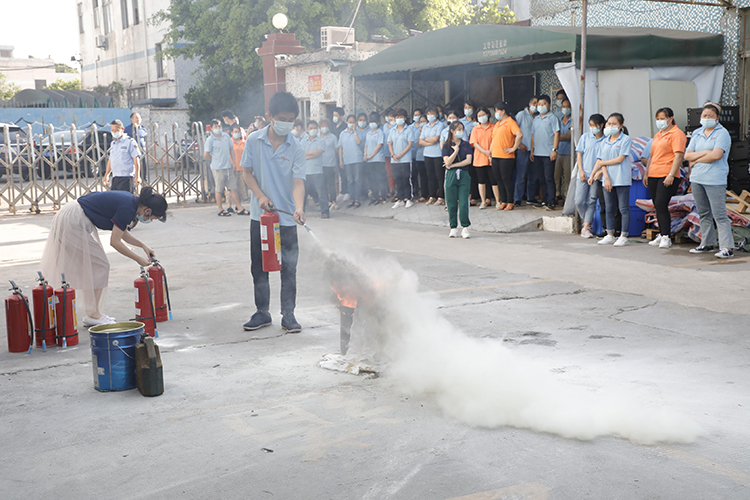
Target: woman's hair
<point>544,97</point>
<point>215,121</point>
<point>501,106</point>
<point>298,123</point>
<point>598,119</point>
<point>420,111</point>
<point>235,127</point>
<point>666,111</point>
<point>312,122</point>
<point>360,115</point>
<point>621,120</point>
<point>156,202</point>
<point>712,108</point>
<point>431,109</point>
<point>487,111</point>
<point>400,112</point>
<point>451,112</point>
<point>351,116</point>
<point>452,129</point>
<point>375,117</point>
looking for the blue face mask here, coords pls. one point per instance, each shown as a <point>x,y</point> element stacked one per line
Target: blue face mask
<point>373,125</point>
<point>708,122</point>
<point>431,118</point>
<point>594,130</point>
<point>142,220</point>
<point>400,121</point>
<point>566,111</point>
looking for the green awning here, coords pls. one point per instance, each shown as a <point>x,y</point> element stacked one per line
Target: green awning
<point>460,45</point>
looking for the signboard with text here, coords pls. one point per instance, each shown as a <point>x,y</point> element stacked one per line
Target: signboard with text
<point>314,83</point>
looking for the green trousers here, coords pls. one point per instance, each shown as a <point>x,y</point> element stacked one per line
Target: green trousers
<point>457,189</point>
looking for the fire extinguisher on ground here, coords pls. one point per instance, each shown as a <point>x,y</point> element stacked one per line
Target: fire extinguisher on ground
<point>65,311</point>
<point>19,325</point>
<point>43,298</point>
<point>144,303</point>
<point>270,241</point>
<point>162,304</point>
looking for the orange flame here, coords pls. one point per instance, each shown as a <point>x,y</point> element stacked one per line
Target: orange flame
<point>346,297</point>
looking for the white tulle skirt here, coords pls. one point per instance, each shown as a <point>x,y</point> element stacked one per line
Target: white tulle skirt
<point>73,248</point>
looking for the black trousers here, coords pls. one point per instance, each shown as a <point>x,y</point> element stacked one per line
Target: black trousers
<point>419,180</point>
<point>377,179</point>
<point>435,176</point>
<point>330,175</point>
<point>123,184</point>
<point>661,195</point>
<point>502,168</point>
<point>402,174</point>
<point>289,256</point>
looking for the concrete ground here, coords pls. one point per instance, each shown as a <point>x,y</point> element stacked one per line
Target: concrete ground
<point>250,415</point>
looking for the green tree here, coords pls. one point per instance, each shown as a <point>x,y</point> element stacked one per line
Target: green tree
<point>64,68</point>
<point>491,12</point>
<point>438,14</point>
<point>61,84</point>
<point>7,90</point>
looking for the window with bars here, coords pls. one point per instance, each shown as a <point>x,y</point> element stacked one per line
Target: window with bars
<point>80,18</point>
<point>159,62</point>
<point>96,13</point>
<point>108,21</point>
<point>124,12</point>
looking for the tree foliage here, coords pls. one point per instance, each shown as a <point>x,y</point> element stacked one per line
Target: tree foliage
<point>222,36</point>
<point>115,90</point>
<point>61,84</point>
<point>7,90</point>
<point>64,68</point>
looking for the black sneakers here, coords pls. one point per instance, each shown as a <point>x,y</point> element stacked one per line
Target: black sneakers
<point>702,249</point>
<point>259,320</point>
<point>289,324</point>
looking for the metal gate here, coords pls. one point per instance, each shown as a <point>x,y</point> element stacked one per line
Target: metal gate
<point>40,172</point>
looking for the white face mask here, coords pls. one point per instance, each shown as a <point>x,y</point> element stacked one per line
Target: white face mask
<point>142,220</point>
<point>431,118</point>
<point>594,130</point>
<point>400,121</point>
<point>482,119</point>
<point>566,111</point>
<point>459,134</point>
<point>498,116</point>
<point>416,119</point>
<point>373,125</point>
<point>362,124</point>
<point>295,132</point>
<point>558,103</point>
<point>350,125</point>
<point>324,130</point>
<point>282,128</point>
<point>610,131</point>
<point>313,132</point>
<point>661,124</point>
<point>335,119</point>
<point>117,134</point>
<point>532,109</point>
<point>709,122</point>
<point>542,109</point>
<point>216,131</point>
<point>448,121</point>
<point>237,135</point>
<point>468,112</point>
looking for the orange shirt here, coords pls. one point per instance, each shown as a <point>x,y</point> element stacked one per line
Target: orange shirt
<point>663,149</point>
<point>483,137</point>
<point>239,148</point>
<point>503,137</point>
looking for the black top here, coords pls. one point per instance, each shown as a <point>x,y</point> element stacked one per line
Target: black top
<point>464,149</point>
<point>107,208</point>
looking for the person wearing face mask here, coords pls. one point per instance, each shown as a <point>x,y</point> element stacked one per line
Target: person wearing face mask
<point>441,113</point>
<point>315,183</point>
<point>469,119</point>
<point>219,151</point>
<point>390,122</point>
<point>662,176</point>
<point>339,125</point>
<point>545,141</point>
<point>375,160</point>
<point>330,160</point>
<point>238,144</point>
<point>562,163</point>
<point>457,157</point>
<point>123,162</point>
<point>560,97</point>
<point>506,139</point>
<point>419,162</point>
<point>525,120</point>
<point>73,246</point>
<point>587,153</point>
<point>450,118</point>
<point>418,172</point>
<point>707,155</point>
<point>351,154</point>
<point>613,166</point>
<point>429,139</point>
<point>481,141</point>
<point>274,166</point>
<point>400,142</point>
<point>298,131</point>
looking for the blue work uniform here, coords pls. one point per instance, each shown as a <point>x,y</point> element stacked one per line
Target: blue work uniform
<point>563,148</point>
<point>375,138</point>
<point>714,173</point>
<point>351,151</point>
<point>122,152</point>
<point>588,145</point>
<point>620,174</point>
<point>329,158</point>
<point>543,130</point>
<point>430,130</point>
<point>524,119</point>
<point>313,165</point>
<point>220,149</point>
<point>400,140</point>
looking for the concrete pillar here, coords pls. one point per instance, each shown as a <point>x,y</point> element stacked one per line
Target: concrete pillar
<point>274,79</point>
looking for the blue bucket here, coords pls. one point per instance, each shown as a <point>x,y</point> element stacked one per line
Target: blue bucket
<point>113,355</point>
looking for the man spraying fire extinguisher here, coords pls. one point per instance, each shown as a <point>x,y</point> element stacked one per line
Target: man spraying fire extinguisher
<point>274,171</point>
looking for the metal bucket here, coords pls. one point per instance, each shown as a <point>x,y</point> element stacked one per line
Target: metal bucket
<point>113,355</point>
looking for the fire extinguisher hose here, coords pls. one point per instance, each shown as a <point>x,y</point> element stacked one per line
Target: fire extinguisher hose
<point>166,286</point>
<point>290,214</point>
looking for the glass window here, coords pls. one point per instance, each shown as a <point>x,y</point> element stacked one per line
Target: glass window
<point>159,62</point>
<point>136,13</point>
<point>96,13</point>
<point>124,13</point>
<point>108,21</point>
<point>80,18</point>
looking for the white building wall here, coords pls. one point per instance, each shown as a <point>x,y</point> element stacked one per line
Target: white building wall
<point>25,72</point>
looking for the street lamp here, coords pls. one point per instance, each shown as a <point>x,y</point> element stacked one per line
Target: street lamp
<point>279,21</point>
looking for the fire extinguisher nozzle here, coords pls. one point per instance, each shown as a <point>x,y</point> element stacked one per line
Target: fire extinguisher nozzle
<point>156,334</point>
<point>170,315</point>
<point>65,342</point>
<point>44,345</point>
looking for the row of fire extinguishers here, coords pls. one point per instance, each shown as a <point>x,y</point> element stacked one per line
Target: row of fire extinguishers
<point>54,311</point>
<point>54,316</point>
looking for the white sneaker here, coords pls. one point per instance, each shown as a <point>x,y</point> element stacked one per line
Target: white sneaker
<point>607,240</point>
<point>398,204</point>
<point>621,241</point>
<point>465,233</point>
<point>656,241</point>
<point>103,320</point>
<point>409,203</point>
<point>724,253</point>
<point>482,206</point>
<point>586,233</point>
<point>666,242</point>
<point>453,233</point>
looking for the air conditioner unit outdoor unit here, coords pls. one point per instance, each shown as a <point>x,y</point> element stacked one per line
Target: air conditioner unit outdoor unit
<point>102,42</point>
<point>332,36</point>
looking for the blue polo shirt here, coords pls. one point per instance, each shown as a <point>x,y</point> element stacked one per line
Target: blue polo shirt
<point>646,153</point>
<point>468,126</point>
<point>313,165</point>
<point>219,148</point>
<point>108,208</point>
<point>588,144</point>
<point>524,119</point>
<point>415,138</point>
<point>620,174</point>
<point>400,140</point>
<point>430,130</point>
<point>122,152</point>
<point>543,129</point>
<point>275,172</point>
<point>386,133</point>
<point>564,147</point>
<point>375,138</point>
<point>715,173</point>
<point>329,158</point>
<point>352,152</point>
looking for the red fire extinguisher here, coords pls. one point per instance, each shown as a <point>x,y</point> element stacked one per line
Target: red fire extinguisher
<point>43,297</point>
<point>144,303</point>
<point>270,241</point>
<point>162,304</point>
<point>18,322</point>
<point>65,311</point>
